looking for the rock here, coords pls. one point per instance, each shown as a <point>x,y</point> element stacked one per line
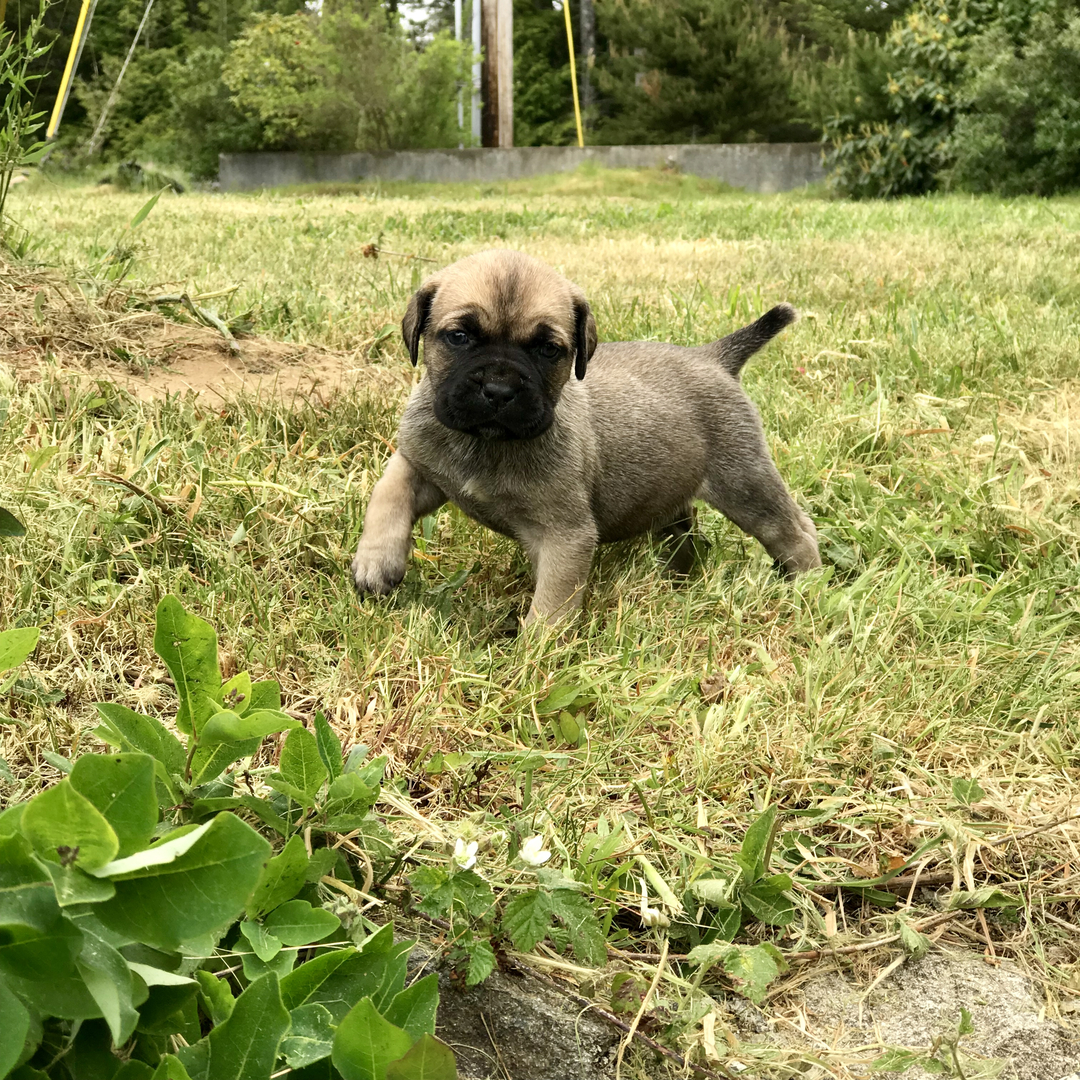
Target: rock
<point>514,1028</point>
<point>923,999</point>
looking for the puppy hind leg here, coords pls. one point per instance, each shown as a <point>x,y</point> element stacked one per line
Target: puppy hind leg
<point>757,501</point>
<point>400,498</point>
<point>682,544</point>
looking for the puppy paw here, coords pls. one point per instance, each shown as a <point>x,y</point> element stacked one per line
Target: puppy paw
<point>376,571</point>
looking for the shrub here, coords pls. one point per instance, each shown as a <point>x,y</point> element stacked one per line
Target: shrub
<point>1021,133</point>
<point>889,136</point>
<point>346,80</point>
<point>149,930</point>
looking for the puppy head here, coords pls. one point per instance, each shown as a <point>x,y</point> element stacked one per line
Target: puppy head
<point>502,334</point>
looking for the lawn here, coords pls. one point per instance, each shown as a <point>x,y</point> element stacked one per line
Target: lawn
<point>925,410</point>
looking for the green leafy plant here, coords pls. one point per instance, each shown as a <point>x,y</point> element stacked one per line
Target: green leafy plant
<point>18,118</point>
<point>148,930</point>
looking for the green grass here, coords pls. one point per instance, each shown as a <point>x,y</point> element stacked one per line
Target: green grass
<point>925,411</point>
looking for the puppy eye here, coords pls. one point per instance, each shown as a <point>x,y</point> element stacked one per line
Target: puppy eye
<point>548,351</point>
<point>457,337</point>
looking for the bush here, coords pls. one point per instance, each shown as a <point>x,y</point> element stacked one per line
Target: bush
<point>346,80</point>
<point>1021,133</point>
<point>889,136</point>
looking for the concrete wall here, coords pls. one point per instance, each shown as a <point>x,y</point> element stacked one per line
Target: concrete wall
<point>760,167</point>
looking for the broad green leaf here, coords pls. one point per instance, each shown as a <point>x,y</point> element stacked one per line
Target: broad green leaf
<point>265,945</point>
<point>965,1027</point>
<point>281,964</point>
<point>236,694</point>
<point>752,967</point>
<point>340,979</point>
<point>967,792</point>
<point>713,891</point>
<point>209,762</point>
<point>329,746</point>
<point>18,867</point>
<point>575,912</point>
<point>246,1045</point>
<point>155,976</point>
<point>11,819</point>
<point>300,765</point>
<point>707,955</point>
<point>121,786</point>
<point>311,1036</point>
<point>365,1044</point>
<point>204,888</point>
<point>14,1029</point>
<point>65,827</point>
<point>148,862</point>
<point>914,943</point>
<point>281,879</point>
<point>73,886</point>
<point>751,857</point>
<point>481,962</point>
<point>429,1059</point>
<point>188,646</point>
<point>265,695</point>
<point>348,793</point>
<point>171,1068</point>
<point>472,893</point>
<point>128,730</point>
<point>559,697</point>
<point>527,919</point>
<point>216,997</point>
<point>414,1008</point>
<point>10,525</point>
<point>228,727</point>
<point>299,987</point>
<point>16,645</point>
<point>108,978</point>
<point>298,923</point>
<point>767,902</point>
<point>987,897</point>
<point>727,920</point>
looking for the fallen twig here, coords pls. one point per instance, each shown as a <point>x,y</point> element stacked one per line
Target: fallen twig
<point>373,251</point>
<point>112,478</point>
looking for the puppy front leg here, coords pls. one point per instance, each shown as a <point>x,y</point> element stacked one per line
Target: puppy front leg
<point>562,562</point>
<point>400,498</point>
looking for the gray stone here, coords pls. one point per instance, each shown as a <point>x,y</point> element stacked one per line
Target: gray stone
<point>758,167</point>
<point>923,999</point>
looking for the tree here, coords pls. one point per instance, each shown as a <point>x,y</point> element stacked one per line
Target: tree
<point>694,71</point>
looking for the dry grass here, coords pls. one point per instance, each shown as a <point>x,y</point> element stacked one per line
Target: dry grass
<point>926,410</point>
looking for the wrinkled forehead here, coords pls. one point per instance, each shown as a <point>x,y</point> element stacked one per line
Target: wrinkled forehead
<point>504,298</point>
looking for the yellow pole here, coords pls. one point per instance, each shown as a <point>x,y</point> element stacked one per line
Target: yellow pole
<point>69,70</point>
<point>573,72</point>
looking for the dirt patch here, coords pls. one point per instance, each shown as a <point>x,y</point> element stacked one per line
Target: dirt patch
<point>45,320</point>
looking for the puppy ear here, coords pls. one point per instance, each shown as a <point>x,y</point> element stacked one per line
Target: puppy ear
<point>584,336</point>
<point>416,317</point>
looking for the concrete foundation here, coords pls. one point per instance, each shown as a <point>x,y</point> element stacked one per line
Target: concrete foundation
<point>758,167</point>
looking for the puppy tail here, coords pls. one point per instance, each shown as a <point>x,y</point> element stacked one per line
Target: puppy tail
<point>734,350</point>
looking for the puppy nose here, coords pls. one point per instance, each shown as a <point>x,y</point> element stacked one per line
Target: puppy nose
<point>498,393</point>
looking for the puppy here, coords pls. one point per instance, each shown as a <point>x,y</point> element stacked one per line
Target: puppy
<point>534,430</point>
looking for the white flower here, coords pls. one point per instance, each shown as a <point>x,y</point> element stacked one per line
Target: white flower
<point>532,851</point>
<point>651,916</point>
<point>465,854</point>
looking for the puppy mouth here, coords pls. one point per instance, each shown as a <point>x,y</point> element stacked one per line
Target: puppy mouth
<point>520,419</point>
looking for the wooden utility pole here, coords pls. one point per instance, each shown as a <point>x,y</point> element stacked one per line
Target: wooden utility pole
<point>497,75</point>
